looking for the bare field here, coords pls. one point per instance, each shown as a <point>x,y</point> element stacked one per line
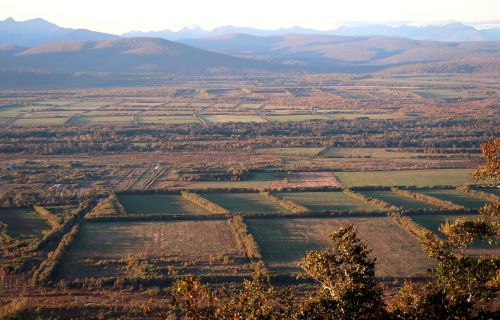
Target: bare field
<point>202,247</point>
<point>284,241</point>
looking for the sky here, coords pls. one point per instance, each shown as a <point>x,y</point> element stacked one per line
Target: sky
<point>119,16</point>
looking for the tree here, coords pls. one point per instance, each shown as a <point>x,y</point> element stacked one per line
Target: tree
<point>346,274</point>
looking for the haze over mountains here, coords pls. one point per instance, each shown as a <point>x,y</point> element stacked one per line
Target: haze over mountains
<point>453,32</point>
<point>77,50</point>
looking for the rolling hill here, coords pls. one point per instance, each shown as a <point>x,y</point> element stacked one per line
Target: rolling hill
<point>342,53</point>
<point>132,55</point>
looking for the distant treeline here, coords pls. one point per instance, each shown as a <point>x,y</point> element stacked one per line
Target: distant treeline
<point>397,133</point>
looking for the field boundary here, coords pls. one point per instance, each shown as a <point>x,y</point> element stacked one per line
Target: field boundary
<point>428,199</point>
<point>478,194</point>
<point>289,205</point>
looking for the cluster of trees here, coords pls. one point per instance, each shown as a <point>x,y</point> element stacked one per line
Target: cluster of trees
<point>29,196</point>
<point>429,199</point>
<point>285,203</point>
<point>204,203</point>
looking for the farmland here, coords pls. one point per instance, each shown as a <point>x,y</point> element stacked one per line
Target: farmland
<point>321,201</point>
<point>418,178</point>
<point>243,202</point>
<point>158,204</point>
<point>279,164</point>
<point>23,222</point>
<point>457,197</point>
<point>191,246</point>
<point>396,200</point>
<point>285,241</point>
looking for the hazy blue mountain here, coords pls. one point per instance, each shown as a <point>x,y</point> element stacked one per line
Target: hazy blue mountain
<point>347,53</point>
<point>38,31</point>
<point>454,32</point>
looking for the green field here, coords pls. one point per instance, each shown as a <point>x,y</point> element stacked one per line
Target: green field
<point>168,119</point>
<point>23,222</point>
<point>284,241</point>
<point>397,200</point>
<point>158,204</point>
<point>193,246</point>
<point>243,202</point>
<point>321,201</point>
<point>81,120</point>
<point>455,196</point>
<point>495,191</point>
<point>419,178</point>
<point>40,121</point>
<point>222,118</point>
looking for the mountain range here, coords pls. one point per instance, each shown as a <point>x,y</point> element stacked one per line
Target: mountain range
<point>453,32</point>
<point>38,31</point>
<point>66,50</point>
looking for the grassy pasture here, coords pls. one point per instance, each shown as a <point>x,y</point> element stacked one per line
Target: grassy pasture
<point>81,120</point>
<point>168,119</point>
<point>495,191</point>
<point>158,204</point>
<point>295,117</point>
<point>23,222</point>
<point>455,196</point>
<point>222,118</point>
<point>194,246</point>
<point>377,116</point>
<point>320,201</point>
<point>40,121</point>
<point>396,199</point>
<point>243,202</point>
<point>284,241</point>
<point>15,111</point>
<point>420,178</point>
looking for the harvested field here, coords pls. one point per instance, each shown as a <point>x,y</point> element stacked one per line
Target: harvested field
<point>419,178</point>
<point>223,118</point>
<point>306,180</point>
<point>322,201</point>
<point>158,204</point>
<point>295,117</point>
<point>40,121</point>
<point>396,199</point>
<point>200,247</point>
<point>455,196</point>
<point>23,222</point>
<point>243,202</point>
<point>284,242</point>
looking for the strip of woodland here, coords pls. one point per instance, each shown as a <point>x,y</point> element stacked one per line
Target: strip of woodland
<point>382,205</point>
<point>204,203</point>
<point>428,199</point>
<point>111,206</point>
<point>285,203</point>
<point>479,194</point>
<point>47,271</point>
<point>47,215</point>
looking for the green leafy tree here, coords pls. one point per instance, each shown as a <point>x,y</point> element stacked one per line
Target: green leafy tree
<point>346,274</point>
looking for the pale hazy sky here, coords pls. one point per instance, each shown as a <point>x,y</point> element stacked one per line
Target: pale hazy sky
<point>117,16</point>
